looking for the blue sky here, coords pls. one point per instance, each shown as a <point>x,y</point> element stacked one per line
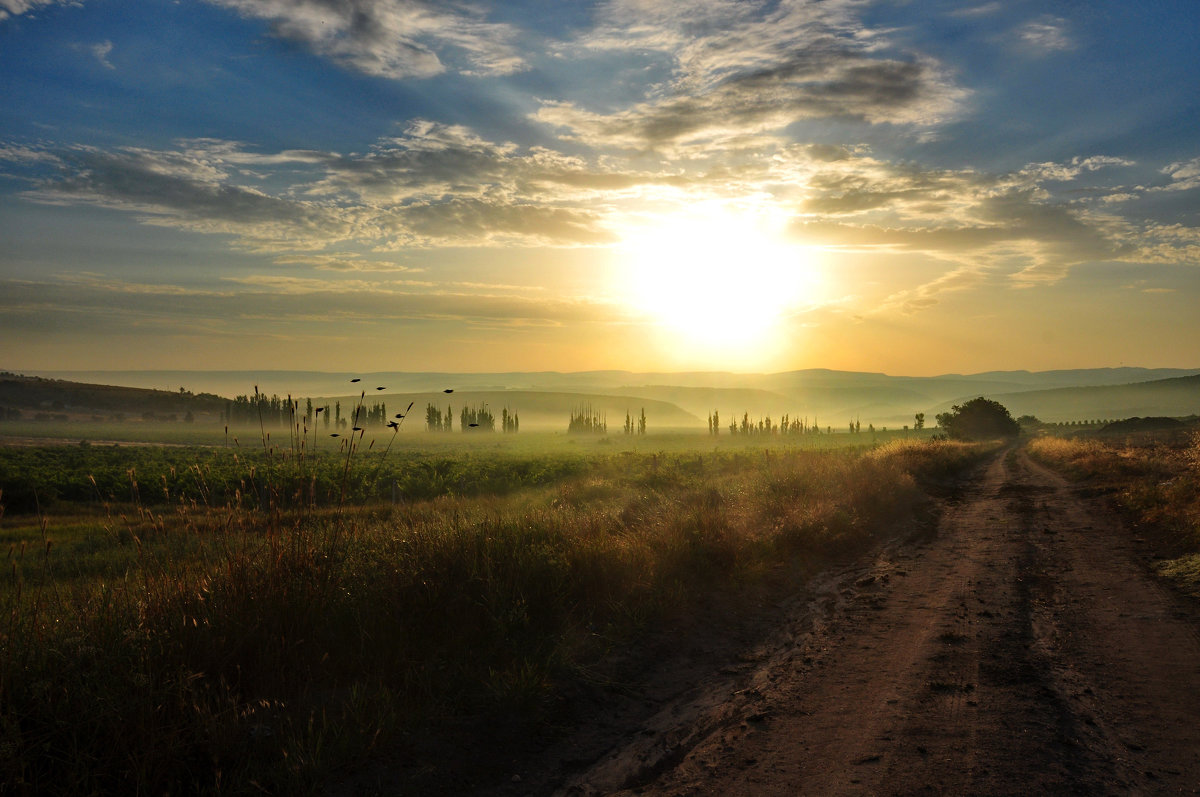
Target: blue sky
<point>909,187</point>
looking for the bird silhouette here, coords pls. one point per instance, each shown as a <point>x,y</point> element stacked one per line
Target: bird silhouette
<point>356,379</point>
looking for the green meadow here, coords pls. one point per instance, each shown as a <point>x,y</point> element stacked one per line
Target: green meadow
<point>267,614</point>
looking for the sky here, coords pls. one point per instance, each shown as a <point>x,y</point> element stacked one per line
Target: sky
<point>913,188</point>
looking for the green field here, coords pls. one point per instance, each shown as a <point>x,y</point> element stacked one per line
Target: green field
<point>263,616</point>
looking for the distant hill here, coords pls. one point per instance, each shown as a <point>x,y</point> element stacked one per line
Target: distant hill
<point>831,397</point>
<point>34,396</point>
<point>1176,397</point>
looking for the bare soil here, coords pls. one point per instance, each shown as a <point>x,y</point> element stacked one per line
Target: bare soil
<point>1024,648</point>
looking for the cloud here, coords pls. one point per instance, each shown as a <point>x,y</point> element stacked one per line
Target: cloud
<point>438,186</point>
<point>185,190</point>
<point>101,51</point>
<point>301,307</point>
<point>1037,172</point>
<point>1185,175</point>
<point>1170,244</point>
<point>1045,35</point>
<point>741,71</point>
<point>982,224</point>
<point>803,86</point>
<point>983,10</point>
<point>1001,229</point>
<point>431,160</point>
<point>343,262</point>
<point>14,8</point>
<point>469,220</point>
<point>391,38</point>
<point>922,297</point>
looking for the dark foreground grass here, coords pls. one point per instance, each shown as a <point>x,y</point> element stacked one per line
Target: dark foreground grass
<point>1154,479</point>
<point>235,649</point>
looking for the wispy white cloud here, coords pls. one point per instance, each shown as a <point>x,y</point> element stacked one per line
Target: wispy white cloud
<point>97,50</point>
<point>981,10</point>
<point>101,51</point>
<point>13,8</point>
<point>1185,175</point>
<point>343,262</point>
<point>392,38</point>
<point>1072,169</point>
<point>1044,35</point>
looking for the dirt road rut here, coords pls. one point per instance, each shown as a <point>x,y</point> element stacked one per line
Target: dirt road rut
<point>1022,649</point>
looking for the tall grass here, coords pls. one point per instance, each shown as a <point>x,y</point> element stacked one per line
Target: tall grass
<point>1153,479</point>
<point>218,649</point>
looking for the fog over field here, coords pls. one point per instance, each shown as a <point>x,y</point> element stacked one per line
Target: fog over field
<point>684,400</point>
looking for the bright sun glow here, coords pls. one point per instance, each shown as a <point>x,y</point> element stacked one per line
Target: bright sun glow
<point>718,283</point>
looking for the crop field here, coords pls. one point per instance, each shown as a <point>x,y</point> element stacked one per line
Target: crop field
<point>192,619</point>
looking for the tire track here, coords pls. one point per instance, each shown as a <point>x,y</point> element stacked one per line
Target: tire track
<point>1022,649</point>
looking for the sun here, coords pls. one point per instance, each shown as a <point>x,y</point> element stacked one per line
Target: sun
<point>715,282</point>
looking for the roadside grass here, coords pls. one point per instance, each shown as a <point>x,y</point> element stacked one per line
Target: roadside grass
<point>238,646</point>
<point>1153,479</point>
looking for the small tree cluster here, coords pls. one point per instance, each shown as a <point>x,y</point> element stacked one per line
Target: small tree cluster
<point>585,420</point>
<point>375,415</point>
<point>635,425</point>
<point>477,419</point>
<point>438,421</point>
<point>714,423</point>
<point>509,421</point>
<point>256,409</point>
<point>787,425</point>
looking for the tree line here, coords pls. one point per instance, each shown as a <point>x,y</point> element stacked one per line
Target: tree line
<point>470,419</point>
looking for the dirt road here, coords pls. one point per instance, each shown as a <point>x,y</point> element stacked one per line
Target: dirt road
<point>1023,649</point>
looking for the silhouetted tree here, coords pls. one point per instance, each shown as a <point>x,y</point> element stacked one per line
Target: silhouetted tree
<point>586,420</point>
<point>475,419</point>
<point>978,419</point>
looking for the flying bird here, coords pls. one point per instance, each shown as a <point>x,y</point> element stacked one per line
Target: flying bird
<point>357,429</point>
<point>381,388</point>
<point>472,425</point>
<point>320,410</point>
<point>448,390</point>
<point>335,434</point>
<point>356,379</point>
<point>399,414</point>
